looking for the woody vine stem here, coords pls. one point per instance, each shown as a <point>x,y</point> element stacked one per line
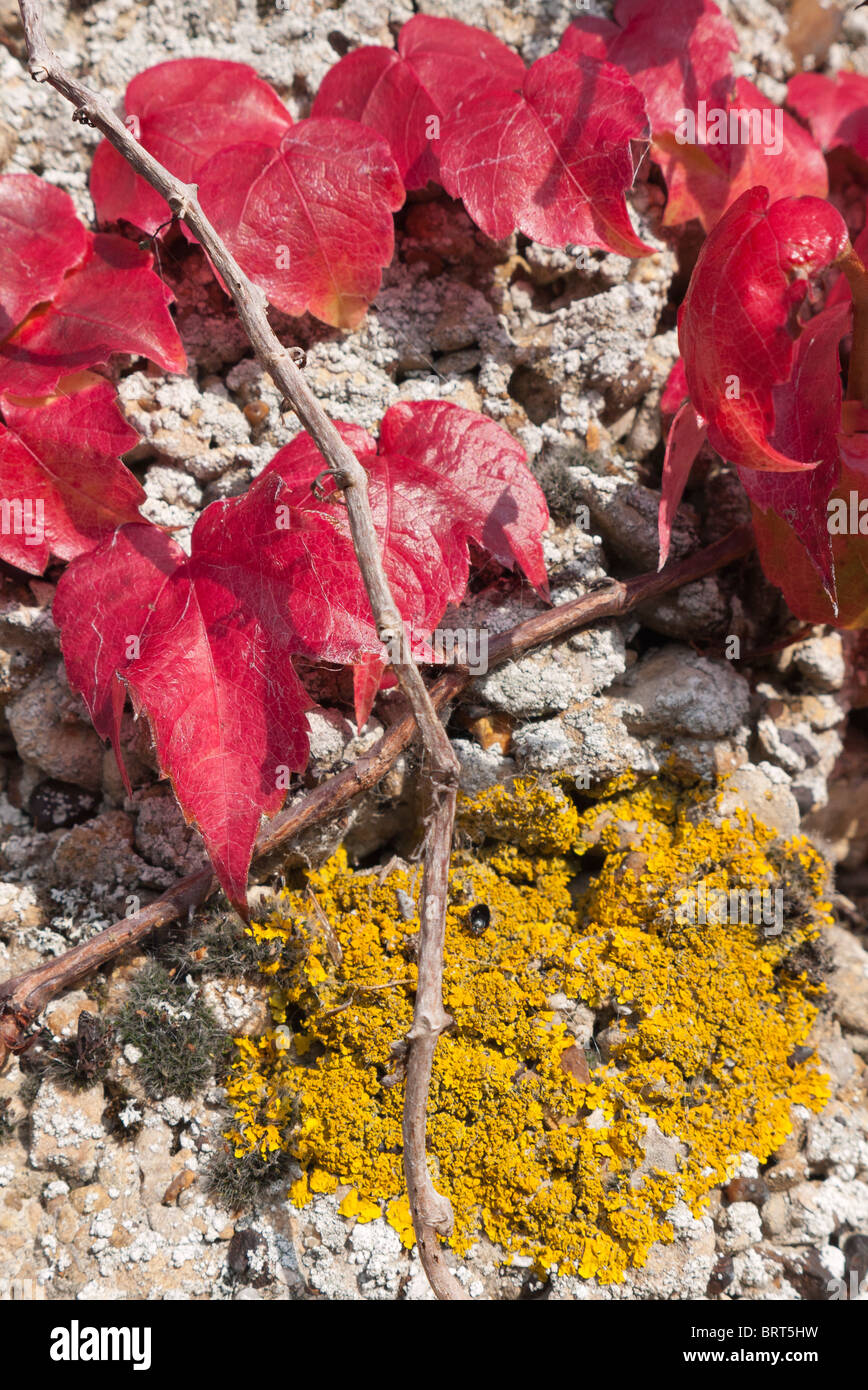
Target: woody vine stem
<point>432,1213</point>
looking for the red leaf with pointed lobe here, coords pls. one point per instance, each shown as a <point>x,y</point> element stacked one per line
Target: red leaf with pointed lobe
<point>397,94</point>
<point>102,606</point>
<point>41,238</point>
<point>311,221</point>
<point>376,87</point>
<point>60,467</point>
<point>836,108</point>
<point>451,471</point>
<point>183,112</point>
<point>113,302</point>
<point>807,413</point>
<point>676,51</point>
<point>679,56</point>
<point>442,476</point>
<point>787,563</point>
<point>675,392</point>
<point>502,507</point>
<point>450,57</point>
<point>552,158</point>
<point>734,325</point>
<point>771,150</point>
<point>686,438</point>
<point>213,672</point>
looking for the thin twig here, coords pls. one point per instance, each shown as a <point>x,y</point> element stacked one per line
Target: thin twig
<point>441,765</point>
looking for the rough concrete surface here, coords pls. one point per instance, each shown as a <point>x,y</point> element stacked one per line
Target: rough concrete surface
<point>573,363</point>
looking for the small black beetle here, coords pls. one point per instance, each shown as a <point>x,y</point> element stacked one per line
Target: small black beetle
<point>480,918</point>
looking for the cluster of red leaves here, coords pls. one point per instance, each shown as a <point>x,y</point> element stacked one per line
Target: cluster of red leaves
<point>204,643</point>
<point>678,53</point>
<point>759,379</point>
<point>68,300</point>
<point>548,150</point>
<point>305,208</point>
<point>545,150</point>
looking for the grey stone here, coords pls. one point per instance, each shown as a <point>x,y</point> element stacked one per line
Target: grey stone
<point>673,690</point>
<point>50,732</point>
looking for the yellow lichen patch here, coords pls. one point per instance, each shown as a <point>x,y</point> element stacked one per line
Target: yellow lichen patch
<point>702,1057</point>
<point>362,1208</point>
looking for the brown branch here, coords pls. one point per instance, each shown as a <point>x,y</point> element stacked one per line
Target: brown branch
<point>441,765</point>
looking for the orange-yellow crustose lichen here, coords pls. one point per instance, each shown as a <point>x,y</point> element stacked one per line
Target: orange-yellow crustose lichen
<point>543,1164</point>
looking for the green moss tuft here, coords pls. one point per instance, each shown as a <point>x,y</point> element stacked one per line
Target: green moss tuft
<point>177,1036</point>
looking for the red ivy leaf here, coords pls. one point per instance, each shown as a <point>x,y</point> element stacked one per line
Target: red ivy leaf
<point>475,484</point>
<point>424,570</point>
<point>310,221</point>
<point>377,88</point>
<point>441,477</point>
<point>676,51</point>
<point>807,412</point>
<point>183,112</point>
<point>450,57</point>
<point>679,56</point>
<point>836,108</point>
<point>41,238</point>
<point>397,94</point>
<point>213,672</point>
<point>551,158</point>
<point>502,506</point>
<point>703,180</point>
<point>734,325</point>
<point>788,564</point>
<point>686,438</point>
<point>60,466</point>
<point>113,302</point>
